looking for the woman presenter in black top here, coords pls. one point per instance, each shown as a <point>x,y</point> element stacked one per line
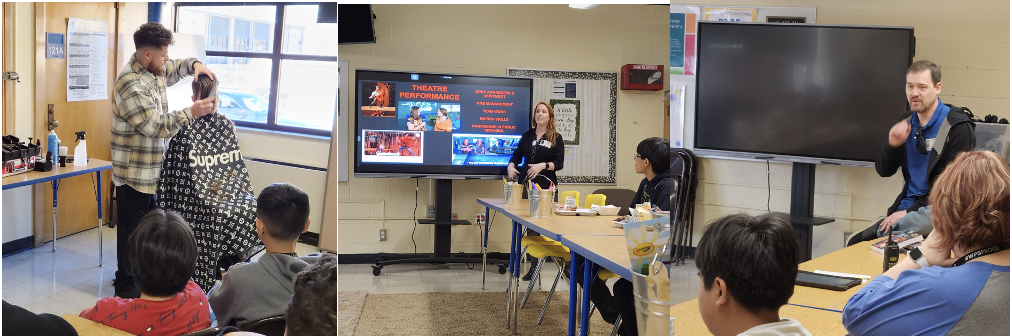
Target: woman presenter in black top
<point>542,152</point>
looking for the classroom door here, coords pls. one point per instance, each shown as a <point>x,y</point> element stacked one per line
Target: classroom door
<point>77,210</point>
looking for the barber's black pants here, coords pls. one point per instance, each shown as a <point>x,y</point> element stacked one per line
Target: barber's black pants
<point>131,206</point>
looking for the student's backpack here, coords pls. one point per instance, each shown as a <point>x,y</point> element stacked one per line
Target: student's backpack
<point>205,180</point>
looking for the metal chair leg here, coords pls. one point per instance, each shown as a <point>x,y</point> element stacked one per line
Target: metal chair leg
<point>592,306</point>
<point>550,292</point>
<point>537,273</point>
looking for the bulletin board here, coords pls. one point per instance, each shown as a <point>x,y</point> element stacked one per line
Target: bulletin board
<point>585,106</point>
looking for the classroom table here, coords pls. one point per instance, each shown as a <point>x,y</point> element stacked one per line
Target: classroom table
<point>608,252</point>
<point>95,166</point>
<point>819,310</point>
<point>818,322</point>
<point>557,228</point>
<point>86,327</point>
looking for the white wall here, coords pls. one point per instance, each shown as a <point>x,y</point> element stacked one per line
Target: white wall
<point>17,203</point>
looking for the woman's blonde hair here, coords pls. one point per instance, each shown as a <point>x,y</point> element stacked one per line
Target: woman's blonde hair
<point>551,135</point>
<point>970,201</point>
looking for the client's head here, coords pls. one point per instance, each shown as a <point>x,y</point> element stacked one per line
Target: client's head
<point>313,309</point>
<point>747,266</point>
<point>163,253</point>
<point>202,87</point>
<point>970,202</point>
<point>282,214</point>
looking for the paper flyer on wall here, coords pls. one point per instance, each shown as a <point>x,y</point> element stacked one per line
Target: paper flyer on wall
<point>87,59</point>
<point>564,89</point>
<point>683,39</point>
<point>677,114</point>
<point>730,14</point>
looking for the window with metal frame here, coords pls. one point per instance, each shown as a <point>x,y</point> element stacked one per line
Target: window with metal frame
<point>277,67</point>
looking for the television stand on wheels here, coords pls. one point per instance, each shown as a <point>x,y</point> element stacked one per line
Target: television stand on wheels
<point>441,240</point>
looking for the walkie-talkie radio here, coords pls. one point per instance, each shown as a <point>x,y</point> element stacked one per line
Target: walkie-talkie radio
<point>891,253</point>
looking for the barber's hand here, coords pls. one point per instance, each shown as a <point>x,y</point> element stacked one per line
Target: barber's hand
<point>535,169</point>
<point>511,172</point>
<point>935,253</point>
<point>202,107</point>
<point>889,222</point>
<point>899,133</point>
<point>199,68</point>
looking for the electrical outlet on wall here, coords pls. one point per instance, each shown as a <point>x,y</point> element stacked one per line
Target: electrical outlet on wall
<point>479,218</point>
<point>383,234</point>
<point>430,211</point>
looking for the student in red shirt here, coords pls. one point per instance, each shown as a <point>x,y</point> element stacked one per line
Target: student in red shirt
<point>163,256</point>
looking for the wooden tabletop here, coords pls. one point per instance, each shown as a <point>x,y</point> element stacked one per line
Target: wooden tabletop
<point>818,322</point>
<point>857,259</point>
<point>609,252</point>
<point>556,226</point>
<point>58,172</point>
<point>86,327</point>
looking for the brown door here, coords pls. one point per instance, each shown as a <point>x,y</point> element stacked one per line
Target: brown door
<point>77,210</point>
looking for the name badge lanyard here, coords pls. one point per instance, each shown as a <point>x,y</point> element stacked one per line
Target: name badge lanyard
<point>980,253</point>
<point>534,149</point>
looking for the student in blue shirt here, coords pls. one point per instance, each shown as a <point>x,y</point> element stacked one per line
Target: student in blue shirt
<point>920,146</point>
<point>932,293</point>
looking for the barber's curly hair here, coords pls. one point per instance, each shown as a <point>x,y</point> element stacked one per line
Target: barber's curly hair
<point>152,34</point>
<point>313,309</point>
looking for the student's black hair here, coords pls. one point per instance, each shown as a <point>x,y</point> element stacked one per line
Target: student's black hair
<point>152,34</point>
<point>284,209</point>
<point>757,257</point>
<point>655,150</point>
<point>313,309</point>
<point>163,253</point>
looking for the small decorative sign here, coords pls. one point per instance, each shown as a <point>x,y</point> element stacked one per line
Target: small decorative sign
<point>54,45</point>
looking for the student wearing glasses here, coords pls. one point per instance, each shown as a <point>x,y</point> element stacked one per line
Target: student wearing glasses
<point>922,144</point>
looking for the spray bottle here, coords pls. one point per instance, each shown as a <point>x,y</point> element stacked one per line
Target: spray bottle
<point>52,142</point>
<point>81,151</point>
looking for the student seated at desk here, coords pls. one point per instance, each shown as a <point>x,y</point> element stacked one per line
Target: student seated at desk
<point>932,293</point>
<point>313,310</point>
<point>163,256</point>
<point>747,265</point>
<point>261,289</point>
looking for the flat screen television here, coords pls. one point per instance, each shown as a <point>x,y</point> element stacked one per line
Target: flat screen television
<point>413,124</point>
<point>799,92</point>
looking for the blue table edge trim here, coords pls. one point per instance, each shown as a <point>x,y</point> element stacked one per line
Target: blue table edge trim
<point>56,177</point>
<point>826,309</point>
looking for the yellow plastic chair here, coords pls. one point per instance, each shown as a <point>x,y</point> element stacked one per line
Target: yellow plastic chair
<point>558,253</point>
<point>576,195</point>
<point>592,199</point>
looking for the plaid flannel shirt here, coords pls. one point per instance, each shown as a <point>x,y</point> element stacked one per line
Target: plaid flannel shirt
<point>141,119</point>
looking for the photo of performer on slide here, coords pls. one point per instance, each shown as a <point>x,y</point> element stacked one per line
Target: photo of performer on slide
<point>428,116</point>
<point>392,146</point>
<point>482,149</point>
<point>376,99</point>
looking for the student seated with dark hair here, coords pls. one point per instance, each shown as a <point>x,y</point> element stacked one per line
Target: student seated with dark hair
<point>957,281</point>
<point>262,289</point>
<point>19,321</point>
<point>747,265</point>
<point>313,308</point>
<point>163,256</point>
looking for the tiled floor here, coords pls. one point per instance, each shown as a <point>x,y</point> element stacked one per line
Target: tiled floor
<point>70,280</point>
<point>423,278</point>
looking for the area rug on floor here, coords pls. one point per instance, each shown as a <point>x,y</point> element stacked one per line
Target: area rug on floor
<point>467,313</point>
<point>349,311</point>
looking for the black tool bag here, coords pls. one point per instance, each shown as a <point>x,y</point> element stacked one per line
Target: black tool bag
<point>204,179</point>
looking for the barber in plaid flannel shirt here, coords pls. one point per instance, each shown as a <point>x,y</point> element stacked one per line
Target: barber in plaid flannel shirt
<point>141,120</point>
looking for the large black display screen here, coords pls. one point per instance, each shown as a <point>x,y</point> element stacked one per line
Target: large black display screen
<point>816,91</point>
<point>422,124</point>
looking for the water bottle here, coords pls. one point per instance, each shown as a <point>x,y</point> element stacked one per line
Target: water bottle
<point>570,203</point>
<point>52,142</point>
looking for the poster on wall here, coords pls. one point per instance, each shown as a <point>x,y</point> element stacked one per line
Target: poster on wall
<point>567,119</point>
<point>87,59</point>
<point>730,14</point>
<point>677,114</point>
<point>683,42</point>
<point>564,89</point>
